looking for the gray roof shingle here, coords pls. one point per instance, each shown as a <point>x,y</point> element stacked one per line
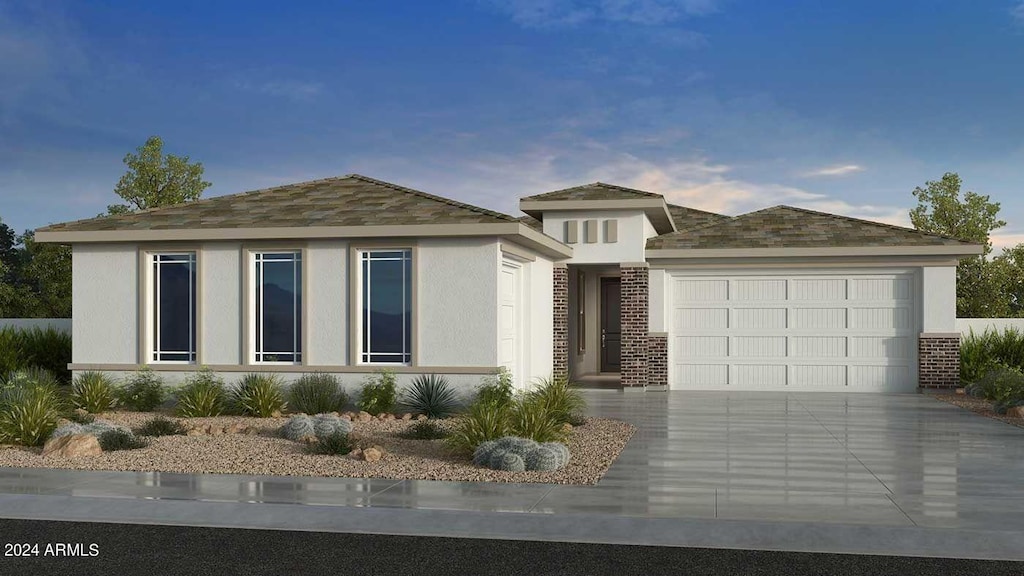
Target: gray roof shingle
<point>351,200</point>
<point>595,191</point>
<point>789,227</point>
<point>691,217</point>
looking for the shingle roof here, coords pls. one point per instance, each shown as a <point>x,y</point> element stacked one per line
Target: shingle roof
<point>594,191</point>
<point>691,217</point>
<point>789,227</point>
<point>351,200</point>
<point>532,222</point>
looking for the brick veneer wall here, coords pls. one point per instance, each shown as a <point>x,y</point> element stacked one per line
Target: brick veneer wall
<point>657,359</point>
<point>634,325</point>
<point>560,341</point>
<point>938,360</point>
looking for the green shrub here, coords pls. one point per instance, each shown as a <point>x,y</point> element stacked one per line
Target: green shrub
<point>93,392</point>
<point>432,395</point>
<point>529,417</point>
<point>483,421</point>
<point>316,393</point>
<point>32,376</point>
<point>120,439</point>
<point>48,348</point>
<point>80,416</point>
<point>203,395</point>
<point>379,394</point>
<point>162,426</point>
<point>1003,385</point>
<point>142,392</point>
<point>30,405</point>
<point>980,352</point>
<point>259,395</point>
<point>496,389</point>
<point>335,444</point>
<point>424,430</point>
<point>12,357</point>
<point>559,399</point>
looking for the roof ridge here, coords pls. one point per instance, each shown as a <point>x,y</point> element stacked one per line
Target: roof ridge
<point>636,191</point>
<point>671,205</point>
<point>863,221</point>
<point>429,196</point>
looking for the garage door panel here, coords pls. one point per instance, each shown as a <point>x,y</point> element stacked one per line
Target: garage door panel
<point>701,318</point>
<point>817,346</point>
<point>817,289</point>
<point>792,330</point>
<point>814,318</point>
<point>759,318</point>
<point>772,346</point>
<point>703,346</point>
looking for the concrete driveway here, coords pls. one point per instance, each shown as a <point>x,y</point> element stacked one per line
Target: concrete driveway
<point>877,474</point>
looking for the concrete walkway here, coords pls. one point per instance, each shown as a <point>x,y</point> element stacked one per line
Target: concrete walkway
<point>903,475</point>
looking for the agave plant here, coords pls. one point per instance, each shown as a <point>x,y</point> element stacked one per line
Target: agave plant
<point>432,395</point>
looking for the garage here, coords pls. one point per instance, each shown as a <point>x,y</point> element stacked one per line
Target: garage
<point>792,330</point>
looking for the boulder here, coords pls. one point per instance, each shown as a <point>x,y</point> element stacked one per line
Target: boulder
<point>421,417</point>
<point>365,417</point>
<point>356,454</point>
<point>195,432</point>
<point>346,416</point>
<point>72,446</point>
<point>215,430</point>
<point>236,428</point>
<point>1016,412</point>
<point>960,391</point>
<point>275,414</point>
<point>407,416</point>
<point>372,455</point>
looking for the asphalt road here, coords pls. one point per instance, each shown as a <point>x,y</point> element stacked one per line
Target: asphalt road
<point>128,549</point>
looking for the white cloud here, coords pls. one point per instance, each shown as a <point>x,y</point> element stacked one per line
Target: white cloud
<point>838,170</point>
<point>1017,12</point>
<point>558,13</point>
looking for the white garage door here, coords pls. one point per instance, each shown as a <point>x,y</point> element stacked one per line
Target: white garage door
<point>510,319</point>
<point>849,332</point>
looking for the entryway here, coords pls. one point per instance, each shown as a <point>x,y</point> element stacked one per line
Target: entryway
<point>595,326</point>
<point>611,324</point>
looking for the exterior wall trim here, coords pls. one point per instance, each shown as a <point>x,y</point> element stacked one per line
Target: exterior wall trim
<point>965,250</point>
<point>802,262</point>
<point>142,298</point>
<point>940,335</point>
<point>357,369</point>
<point>247,249</point>
<point>517,252</point>
<point>656,209</point>
<point>355,281</point>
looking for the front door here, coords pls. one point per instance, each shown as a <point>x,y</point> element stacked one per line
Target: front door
<point>611,331</point>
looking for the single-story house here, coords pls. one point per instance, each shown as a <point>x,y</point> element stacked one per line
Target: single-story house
<point>350,275</point>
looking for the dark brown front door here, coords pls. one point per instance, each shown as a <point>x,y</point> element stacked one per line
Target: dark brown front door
<point>611,331</point>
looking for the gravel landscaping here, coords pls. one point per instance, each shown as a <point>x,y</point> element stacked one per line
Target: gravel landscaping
<point>594,446</point>
<point>978,406</point>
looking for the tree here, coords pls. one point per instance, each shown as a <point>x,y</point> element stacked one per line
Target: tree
<point>154,179</point>
<point>940,210</point>
<point>35,279</point>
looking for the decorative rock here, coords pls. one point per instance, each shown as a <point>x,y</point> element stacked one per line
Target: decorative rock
<point>389,416</point>
<point>346,416</point>
<point>81,412</point>
<point>236,428</point>
<point>365,417</point>
<point>372,455</point>
<point>195,432</point>
<point>310,439</point>
<point>72,446</point>
<point>407,416</point>
<point>275,414</point>
<point>421,417</point>
<point>1016,412</point>
<point>335,414</point>
<point>355,454</point>
<point>216,430</point>
<point>960,391</point>
<point>252,430</point>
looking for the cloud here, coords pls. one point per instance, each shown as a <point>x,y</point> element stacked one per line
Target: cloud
<point>290,89</point>
<point>838,170</point>
<point>1017,13</point>
<point>567,13</point>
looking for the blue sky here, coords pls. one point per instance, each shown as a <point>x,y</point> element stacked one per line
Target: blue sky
<point>725,105</point>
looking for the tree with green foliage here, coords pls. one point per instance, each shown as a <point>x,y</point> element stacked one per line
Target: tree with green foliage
<point>940,210</point>
<point>35,279</point>
<point>154,179</point>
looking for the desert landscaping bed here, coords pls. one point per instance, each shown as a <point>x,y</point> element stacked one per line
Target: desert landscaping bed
<point>979,406</point>
<point>594,446</point>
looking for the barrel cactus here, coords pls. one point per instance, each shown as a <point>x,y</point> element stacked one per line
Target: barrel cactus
<point>515,454</point>
<point>319,426</point>
<point>95,428</point>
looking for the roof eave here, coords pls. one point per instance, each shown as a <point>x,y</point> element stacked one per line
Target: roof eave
<point>655,208</point>
<point>958,251</point>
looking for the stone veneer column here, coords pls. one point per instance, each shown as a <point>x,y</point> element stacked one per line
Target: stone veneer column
<point>657,359</point>
<point>560,330</point>
<point>633,310</point>
<point>938,355</point>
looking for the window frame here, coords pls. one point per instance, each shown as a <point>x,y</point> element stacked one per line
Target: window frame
<point>356,297</point>
<point>253,315</point>
<point>148,306</point>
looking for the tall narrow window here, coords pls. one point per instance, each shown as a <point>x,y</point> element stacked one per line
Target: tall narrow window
<point>278,300</point>
<point>386,324</point>
<point>173,315</point>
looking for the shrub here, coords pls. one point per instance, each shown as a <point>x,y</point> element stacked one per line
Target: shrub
<point>32,376</point>
<point>30,405</point>
<point>425,430</point>
<point>432,395</point>
<point>47,348</point>
<point>379,394</point>
<point>96,428</point>
<point>316,393</point>
<point>515,454</point>
<point>12,357</point>
<point>203,395</point>
<point>559,399</point>
<point>335,444</point>
<point>531,418</point>
<point>80,416</point>
<point>259,395</point>
<point>120,439</point>
<point>496,389</point>
<point>142,392</point>
<point>162,426</point>
<point>300,427</point>
<point>483,421</point>
<point>1002,385</point>
<point>92,392</point>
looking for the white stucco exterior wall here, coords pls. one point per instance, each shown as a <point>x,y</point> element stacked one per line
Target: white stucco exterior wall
<point>457,294</point>
<point>633,232</point>
<point>327,301</point>
<point>104,303</point>
<point>221,289</point>
<point>938,299</point>
<point>658,301</point>
<point>539,310</point>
